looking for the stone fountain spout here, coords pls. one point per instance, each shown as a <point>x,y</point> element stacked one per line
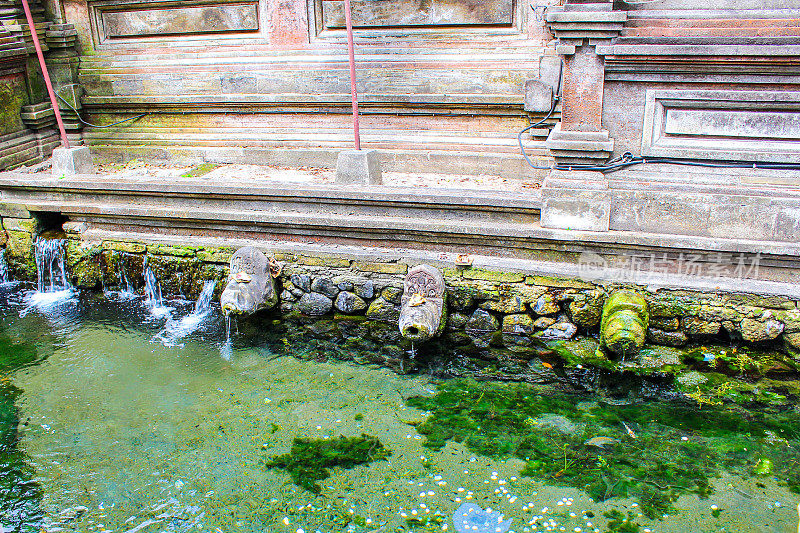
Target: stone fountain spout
<point>251,286</point>
<point>422,307</point>
<point>623,327</point>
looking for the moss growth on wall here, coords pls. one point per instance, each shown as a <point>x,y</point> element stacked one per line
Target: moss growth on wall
<point>653,451</point>
<point>309,460</point>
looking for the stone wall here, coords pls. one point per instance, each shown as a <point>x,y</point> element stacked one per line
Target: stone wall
<point>520,312</point>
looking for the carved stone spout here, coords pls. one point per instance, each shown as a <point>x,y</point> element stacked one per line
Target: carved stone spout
<point>250,285</point>
<point>422,307</point>
<point>623,327</point>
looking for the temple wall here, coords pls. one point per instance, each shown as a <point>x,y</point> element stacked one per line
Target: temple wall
<point>268,81</point>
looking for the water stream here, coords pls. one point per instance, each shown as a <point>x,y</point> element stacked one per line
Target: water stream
<point>3,267</point>
<point>53,289</point>
<point>175,330</point>
<point>152,294</point>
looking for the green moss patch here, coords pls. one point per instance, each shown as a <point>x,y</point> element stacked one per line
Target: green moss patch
<point>199,170</point>
<point>653,452</point>
<point>309,460</point>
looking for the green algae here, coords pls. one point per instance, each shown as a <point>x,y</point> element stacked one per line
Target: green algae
<point>663,449</point>
<point>619,523</point>
<point>199,170</point>
<point>309,460</point>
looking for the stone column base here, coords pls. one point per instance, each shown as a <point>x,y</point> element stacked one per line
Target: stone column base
<point>579,147</point>
<point>70,161</point>
<point>358,167</point>
<point>576,200</point>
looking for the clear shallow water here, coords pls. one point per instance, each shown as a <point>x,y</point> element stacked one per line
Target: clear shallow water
<point>106,428</point>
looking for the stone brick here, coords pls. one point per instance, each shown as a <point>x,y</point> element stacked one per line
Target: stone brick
<point>28,225</point>
<point>215,255</point>
<point>490,275</point>
<point>760,330</point>
<point>665,324</point>
<point>667,338</point>
<point>175,251</point>
<point>562,283</point>
<point>380,268</point>
<point>545,305</point>
<point>128,247</point>
<point>323,260</point>
<point>519,324</point>
<point>697,326</point>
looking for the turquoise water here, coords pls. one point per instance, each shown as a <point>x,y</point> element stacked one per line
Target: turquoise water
<point>106,428</point>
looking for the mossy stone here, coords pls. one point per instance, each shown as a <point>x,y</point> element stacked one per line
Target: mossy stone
<point>623,327</point>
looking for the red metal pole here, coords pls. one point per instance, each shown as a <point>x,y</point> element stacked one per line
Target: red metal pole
<point>46,75</point>
<point>351,50</point>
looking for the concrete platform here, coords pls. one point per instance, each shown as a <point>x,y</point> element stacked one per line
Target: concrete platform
<point>502,228</point>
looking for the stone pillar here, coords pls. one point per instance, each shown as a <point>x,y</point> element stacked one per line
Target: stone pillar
<point>580,200</point>
<point>62,63</point>
<point>580,137</point>
<point>288,22</point>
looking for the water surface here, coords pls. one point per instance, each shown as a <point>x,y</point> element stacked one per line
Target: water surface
<point>106,428</point>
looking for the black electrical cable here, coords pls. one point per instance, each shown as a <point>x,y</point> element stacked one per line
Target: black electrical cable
<point>95,125</point>
<point>628,160</point>
<point>519,135</point>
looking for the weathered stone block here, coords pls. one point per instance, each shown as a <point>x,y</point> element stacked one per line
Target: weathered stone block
<point>323,260</point>
<point>482,321</point>
<point>301,281</point>
<point>576,201</point>
<point>358,167</point>
<point>380,268</point>
<point>518,324</point>
<point>667,338</point>
<point>324,285</point>
<point>175,251</point>
<point>545,305</point>
<point>27,225</point>
<point>71,161</point>
<point>698,327</point>
<point>489,275</point>
<point>760,330</point>
<point>665,324</point>
<point>349,303</point>
<point>215,255</point>
<point>381,309</point>
<point>127,247</point>
<point>314,304</point>
<point>13,210</point>
<point>586,309</point>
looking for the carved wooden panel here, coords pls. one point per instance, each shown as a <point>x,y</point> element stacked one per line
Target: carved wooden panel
<point>394,13</point>
<point>139,21</point>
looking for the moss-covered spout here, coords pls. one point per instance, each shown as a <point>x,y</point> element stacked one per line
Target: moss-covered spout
<point>623,327</point>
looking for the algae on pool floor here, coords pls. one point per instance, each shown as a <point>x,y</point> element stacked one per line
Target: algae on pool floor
<point>672,449</point>
<point>168,438</point>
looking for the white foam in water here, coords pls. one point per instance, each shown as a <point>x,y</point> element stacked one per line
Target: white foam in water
<point>174,330</point>
<point>53,287</point>
<point>152,293</point>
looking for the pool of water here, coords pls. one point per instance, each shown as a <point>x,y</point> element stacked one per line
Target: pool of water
<point>111,421</point>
